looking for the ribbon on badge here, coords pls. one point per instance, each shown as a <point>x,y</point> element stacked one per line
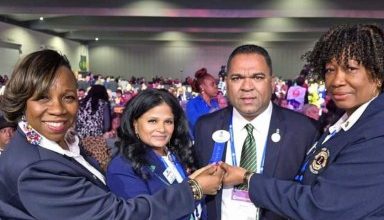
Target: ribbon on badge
<point>220,137</point>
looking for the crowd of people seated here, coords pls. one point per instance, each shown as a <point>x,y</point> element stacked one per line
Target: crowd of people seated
<point>297,94</point>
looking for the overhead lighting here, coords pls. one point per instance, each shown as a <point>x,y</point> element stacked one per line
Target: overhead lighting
<point>41,18</point>
<point>96,38</point>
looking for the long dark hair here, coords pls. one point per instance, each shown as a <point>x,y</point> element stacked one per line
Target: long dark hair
<point>134,149</point>
<point>96,93</point>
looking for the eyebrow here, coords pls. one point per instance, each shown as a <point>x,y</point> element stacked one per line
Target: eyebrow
<point>243,75</point>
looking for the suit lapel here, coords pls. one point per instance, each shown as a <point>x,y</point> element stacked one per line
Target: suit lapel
<point>71,162</point>
<point>272,148</point>
<point>223,124</point>
<point>156,167</point>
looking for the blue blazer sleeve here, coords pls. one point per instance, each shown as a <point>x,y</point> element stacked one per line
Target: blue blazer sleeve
<point>123,181</point>
<point>46,185</point>
<point>193,113</point>
<point>49,191</point>
<point>352,187</point>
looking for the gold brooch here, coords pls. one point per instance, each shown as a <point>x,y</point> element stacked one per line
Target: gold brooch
<point>320,161</point>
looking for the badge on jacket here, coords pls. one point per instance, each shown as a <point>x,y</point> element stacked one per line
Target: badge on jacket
<point>319,161</point>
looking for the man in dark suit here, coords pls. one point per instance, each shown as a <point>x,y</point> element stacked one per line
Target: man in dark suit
<point>281,136</point>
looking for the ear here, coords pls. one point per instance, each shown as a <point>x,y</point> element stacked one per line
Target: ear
<point>135,126</point>
<point>273,82</point>
<point>379,84</point>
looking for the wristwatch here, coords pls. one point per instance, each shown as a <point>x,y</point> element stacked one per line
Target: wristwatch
<point>247,176</point>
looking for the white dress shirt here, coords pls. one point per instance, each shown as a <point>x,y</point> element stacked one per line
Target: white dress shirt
<point>73,152</point>
<point>240,210</point>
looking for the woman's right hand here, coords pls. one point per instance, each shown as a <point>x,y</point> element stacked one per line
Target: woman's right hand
<point>209,178</point>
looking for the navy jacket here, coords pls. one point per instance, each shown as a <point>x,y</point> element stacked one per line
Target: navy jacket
<point>36,183</point>
<point>124,182</point>
<point>349,184</point>
<point>282,158</point>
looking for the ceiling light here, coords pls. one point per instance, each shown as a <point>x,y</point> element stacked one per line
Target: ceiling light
<point>96,38</point>
<point>41,18</point>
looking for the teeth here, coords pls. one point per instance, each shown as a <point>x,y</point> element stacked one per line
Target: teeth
<point>55,124</point>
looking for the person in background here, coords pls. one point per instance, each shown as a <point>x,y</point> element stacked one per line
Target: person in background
<point>45,175</point>
<point>311,111</point>
<point>93,120</point>
<point>7,129</point>
<point>81,94</point>
<point>111,135</point>
<point>155,146</point>
<point>94,117</point>
<point>280,136</point>
<point>205,85</point>
<point>341,175</point>
<point>222,100</point>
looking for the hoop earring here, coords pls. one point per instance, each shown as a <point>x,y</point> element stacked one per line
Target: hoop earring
<point>23,118</point>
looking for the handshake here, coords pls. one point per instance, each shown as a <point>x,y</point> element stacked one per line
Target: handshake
<point>209,179</point>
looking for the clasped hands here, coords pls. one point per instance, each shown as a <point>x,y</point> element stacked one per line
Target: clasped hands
<point>213,176</point>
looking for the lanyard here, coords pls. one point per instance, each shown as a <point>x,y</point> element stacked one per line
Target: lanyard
<point>299,177</point>
<point>233,151</point>
<point>180,170</point>
<point>178,166</point>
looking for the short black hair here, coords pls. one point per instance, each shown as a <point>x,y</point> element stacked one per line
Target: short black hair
<point>249,49</point>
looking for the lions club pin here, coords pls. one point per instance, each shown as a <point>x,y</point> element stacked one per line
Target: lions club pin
<point>319,161</point>
<point>276,136</point>
<point>220,136</point>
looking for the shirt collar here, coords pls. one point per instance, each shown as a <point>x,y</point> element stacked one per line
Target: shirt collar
<point>346,122</point>
<point>73,147</point>
<point>258,122</point>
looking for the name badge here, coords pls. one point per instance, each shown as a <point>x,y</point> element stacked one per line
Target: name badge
<point>220,137</point>
<point>169,175</point>
<point>240,195</point>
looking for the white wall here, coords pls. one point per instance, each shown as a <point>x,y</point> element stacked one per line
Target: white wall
<point>30,41</point>
<point>181,60</point>
<point>174,59</point>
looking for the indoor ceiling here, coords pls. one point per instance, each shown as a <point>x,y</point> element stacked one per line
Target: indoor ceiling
<point>209,21</point>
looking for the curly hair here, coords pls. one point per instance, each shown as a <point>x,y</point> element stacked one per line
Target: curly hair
<point>134,149</point>
<point>361,42</point>
<point>32,76</point>
<point>200,76</point>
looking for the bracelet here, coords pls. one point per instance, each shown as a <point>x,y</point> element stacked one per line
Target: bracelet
<point>197,191</point>
<point>247,176</point>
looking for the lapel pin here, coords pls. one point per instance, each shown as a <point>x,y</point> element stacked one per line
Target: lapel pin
<point>276,136</point>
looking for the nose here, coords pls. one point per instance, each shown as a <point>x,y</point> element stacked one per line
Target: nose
<point>338,78</point>
<point>161,127</point>
<point>56,107</point>
<point>247,84</point>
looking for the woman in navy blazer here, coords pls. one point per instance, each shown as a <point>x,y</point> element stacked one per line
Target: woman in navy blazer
<point>155,146</point>
<point>43,171</point>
